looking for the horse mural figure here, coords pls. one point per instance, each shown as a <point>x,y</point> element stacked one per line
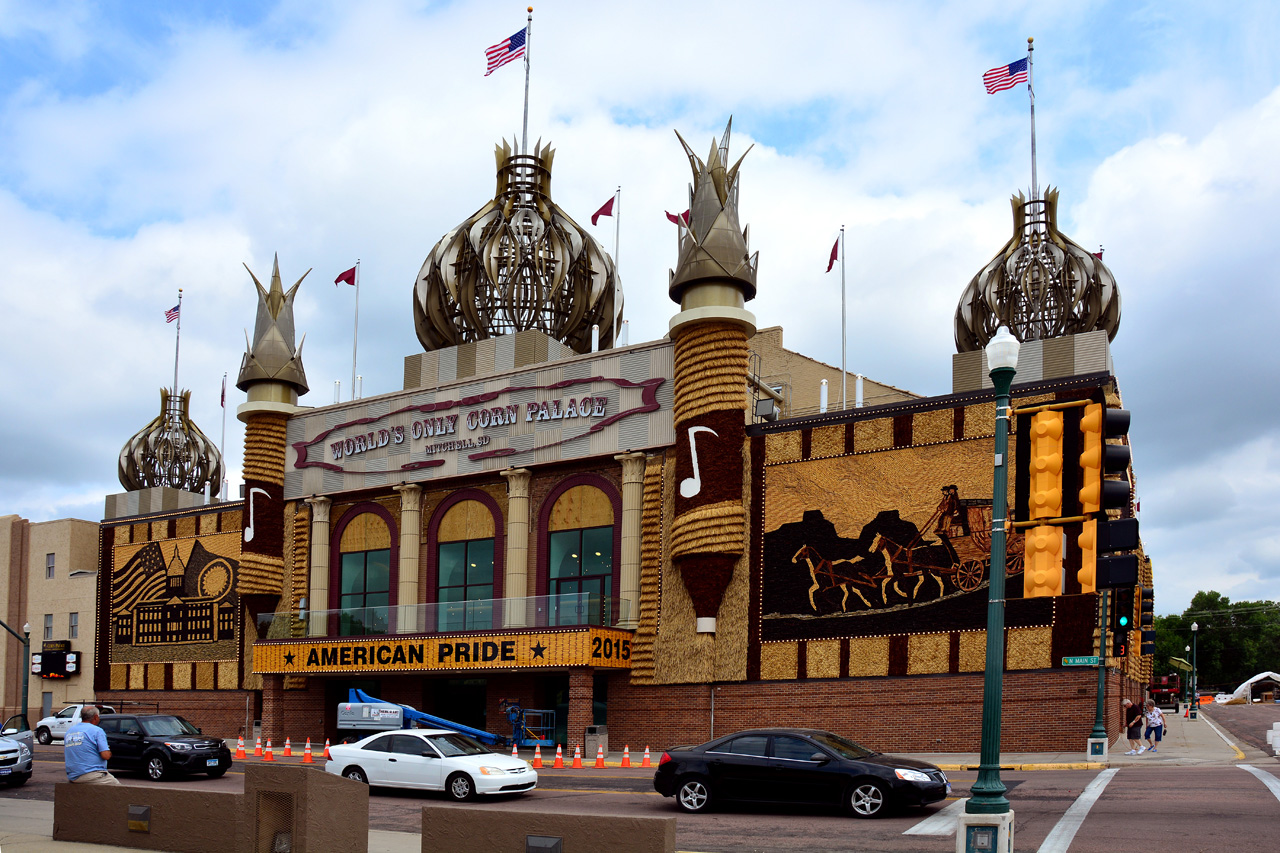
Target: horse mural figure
<point>825,575</point>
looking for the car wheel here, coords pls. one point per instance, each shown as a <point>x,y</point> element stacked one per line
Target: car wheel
<point>43,735</point>
<point>355,774</point>
<point>867,799</point>
<point>157,768</point>
<point>694,795</point>
<point>460,788</point>
<point>217,772</point>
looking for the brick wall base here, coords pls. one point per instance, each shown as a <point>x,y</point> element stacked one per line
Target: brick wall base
<point>219,713</point>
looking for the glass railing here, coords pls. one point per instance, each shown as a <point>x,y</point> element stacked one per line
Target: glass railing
<point>493,614</point>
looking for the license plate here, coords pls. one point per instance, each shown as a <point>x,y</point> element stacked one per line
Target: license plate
<point>213,762</point>
<point>948,789</point>
<point>5,771</point>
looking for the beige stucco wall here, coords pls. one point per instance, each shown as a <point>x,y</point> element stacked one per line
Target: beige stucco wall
<point>803,376</point>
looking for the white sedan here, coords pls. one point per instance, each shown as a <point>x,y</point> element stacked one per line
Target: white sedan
<point>432,760</point>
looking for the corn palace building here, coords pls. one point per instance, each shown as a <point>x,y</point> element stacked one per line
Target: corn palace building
<point>668,539</point>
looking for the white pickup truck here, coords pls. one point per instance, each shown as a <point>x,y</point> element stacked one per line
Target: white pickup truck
<point>53,728</point>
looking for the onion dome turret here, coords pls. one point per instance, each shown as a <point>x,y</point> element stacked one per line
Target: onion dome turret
<point>171,451</point>
<point>1040,285</point>
<point>517,263</point>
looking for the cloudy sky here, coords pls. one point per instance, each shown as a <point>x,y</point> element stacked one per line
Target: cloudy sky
<point>146,147</point>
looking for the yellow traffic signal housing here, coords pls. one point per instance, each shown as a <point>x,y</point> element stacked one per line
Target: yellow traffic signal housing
<point>1042,564</point>
<point>1091,442</point>
<point>1046,465</point>
<point>1088,541</point>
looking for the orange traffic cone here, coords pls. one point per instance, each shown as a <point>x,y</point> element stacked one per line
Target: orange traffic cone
<point>514,752</point>
<point>1187,713</point>
<point>646,763</point>
<point>626,756</point>
<point>306,753</point>
<point>257,748</point>
<point>537,757</point>
<point>240,748</point>
<point>288,749</point>
<point>326,749</point>
<point>600,755</point>
<point>577,756</point>
<point>268,756</point>
<point>559,762</point>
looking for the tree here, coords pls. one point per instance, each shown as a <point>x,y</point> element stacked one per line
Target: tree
<point>1233,642</point>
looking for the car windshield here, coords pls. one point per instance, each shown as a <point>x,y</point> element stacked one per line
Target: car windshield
<point>843,747</point>
<point>451,745</point>
<point>167,726</point>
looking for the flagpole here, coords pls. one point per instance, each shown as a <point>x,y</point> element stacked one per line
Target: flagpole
<point>177,343</point>
<point>1035,183</point>
<point>222,447</point>
<point>528,33</point>
<point>617,276</point>
<point>355,335</point>
<point>844,375</point>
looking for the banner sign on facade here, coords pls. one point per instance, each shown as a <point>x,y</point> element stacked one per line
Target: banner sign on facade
<point>605,648</point>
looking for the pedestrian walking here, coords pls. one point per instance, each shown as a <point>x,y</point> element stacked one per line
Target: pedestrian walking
<point>86,752</point>
<point>1155,727</point>
<point>1133,718</point>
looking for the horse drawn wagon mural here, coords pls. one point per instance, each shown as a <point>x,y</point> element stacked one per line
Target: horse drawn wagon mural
<point>859,545</point>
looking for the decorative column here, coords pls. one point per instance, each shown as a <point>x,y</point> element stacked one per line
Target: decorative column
<point>318,595</point>
<point>408,612</point>
<point>632,516</point>
<point>713,279</point>
<point>516,580</point>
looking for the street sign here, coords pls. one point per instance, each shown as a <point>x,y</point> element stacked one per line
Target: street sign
<point>1080,661</point>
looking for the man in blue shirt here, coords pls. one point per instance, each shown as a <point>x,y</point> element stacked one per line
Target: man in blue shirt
<point>86,751</point>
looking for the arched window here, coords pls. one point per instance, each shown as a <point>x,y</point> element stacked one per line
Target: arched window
<point>581,555</point>
<point>363,571</point>
<point>464,571</point>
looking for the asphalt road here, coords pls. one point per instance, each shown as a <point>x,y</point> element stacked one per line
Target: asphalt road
<point>1148,807</point>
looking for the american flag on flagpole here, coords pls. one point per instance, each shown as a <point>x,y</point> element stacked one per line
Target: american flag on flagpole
<point>507,50</point>
<point>172,313</point>
<point>1005,76</point>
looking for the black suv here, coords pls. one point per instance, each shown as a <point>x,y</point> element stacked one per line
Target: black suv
<point>161,745</point>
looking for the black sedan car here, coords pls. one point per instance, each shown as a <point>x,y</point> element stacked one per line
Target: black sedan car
<point>796,766</point>
<point>162,745</point>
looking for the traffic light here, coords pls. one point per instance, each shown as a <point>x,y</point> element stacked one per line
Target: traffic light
<point>1147,620</point>
<point>1121,620</point>
<point>1042,562</point>
<point>1045,500</point>
<point>1097,458</point>
<point>1088,541</point>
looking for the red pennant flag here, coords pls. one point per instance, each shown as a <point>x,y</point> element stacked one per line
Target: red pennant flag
<point>682,219</point>
<point>606,209</point>
<point>349,277</point>
<point>835,252</point>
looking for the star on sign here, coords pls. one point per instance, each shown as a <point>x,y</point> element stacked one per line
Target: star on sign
<point>538,649</point>
<point>288,658</point>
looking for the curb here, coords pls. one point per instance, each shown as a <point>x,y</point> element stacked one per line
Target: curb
<point>1065,765</point>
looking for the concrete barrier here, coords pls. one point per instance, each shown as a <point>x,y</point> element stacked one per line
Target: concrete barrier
<point>462,829</point>
<point>295,808</point>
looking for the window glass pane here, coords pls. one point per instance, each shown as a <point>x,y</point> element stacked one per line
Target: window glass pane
<point>382,744</point>
<point>479,592</point>
<point>480,562</point>
<point>793,748</point>
<point>747,745</point>
<point>452,564</point>
<point>377,571</point>
<point>453,593</point>
<point>377,599</point>
<point>564,553</point>
<point>597,551</point>
<point>352,573</point>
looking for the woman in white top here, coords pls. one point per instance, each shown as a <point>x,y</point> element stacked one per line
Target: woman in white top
<point>1155,727</point>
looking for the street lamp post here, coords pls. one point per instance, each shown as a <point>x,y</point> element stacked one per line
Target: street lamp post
<point>988,792</point>
<point>25,639</point>
<point>1195,683</point>
<point>1187,692</point>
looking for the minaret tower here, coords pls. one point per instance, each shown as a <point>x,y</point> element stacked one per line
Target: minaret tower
<point>271,374</point>
<point>713,279</point>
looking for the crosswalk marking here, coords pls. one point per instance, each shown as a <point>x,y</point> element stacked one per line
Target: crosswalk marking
<point>939,823</point>
<point>1272,783</point>
<point>1059,838</point>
